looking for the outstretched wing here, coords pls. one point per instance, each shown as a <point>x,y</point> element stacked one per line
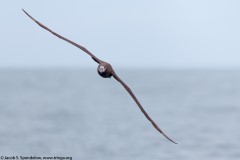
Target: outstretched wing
<point>63,38</point>
<point>140,106</point>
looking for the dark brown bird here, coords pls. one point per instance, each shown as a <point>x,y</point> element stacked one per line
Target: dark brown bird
<point>105,70</point>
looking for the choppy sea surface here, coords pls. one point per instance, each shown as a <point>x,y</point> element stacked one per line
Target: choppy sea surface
<point>77,113</point>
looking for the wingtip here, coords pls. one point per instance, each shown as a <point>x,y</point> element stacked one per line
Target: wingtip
<point>169,138</point>
<point>25,12</point>
<point>174,142</point>
<point>29,15</point>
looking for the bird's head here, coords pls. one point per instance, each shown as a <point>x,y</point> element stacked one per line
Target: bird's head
<point>101,69</point>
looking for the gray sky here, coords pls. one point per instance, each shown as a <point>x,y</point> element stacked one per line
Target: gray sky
<point>126,33</point>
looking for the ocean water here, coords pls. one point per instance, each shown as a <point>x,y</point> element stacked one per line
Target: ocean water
<point>77,113</point>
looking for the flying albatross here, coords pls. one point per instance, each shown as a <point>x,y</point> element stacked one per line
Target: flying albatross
<point>105,70</point>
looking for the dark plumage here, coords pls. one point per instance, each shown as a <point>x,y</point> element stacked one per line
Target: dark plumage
<point>105,70</point>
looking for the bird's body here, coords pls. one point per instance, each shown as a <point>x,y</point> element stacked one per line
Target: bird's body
<point>105,70</point>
